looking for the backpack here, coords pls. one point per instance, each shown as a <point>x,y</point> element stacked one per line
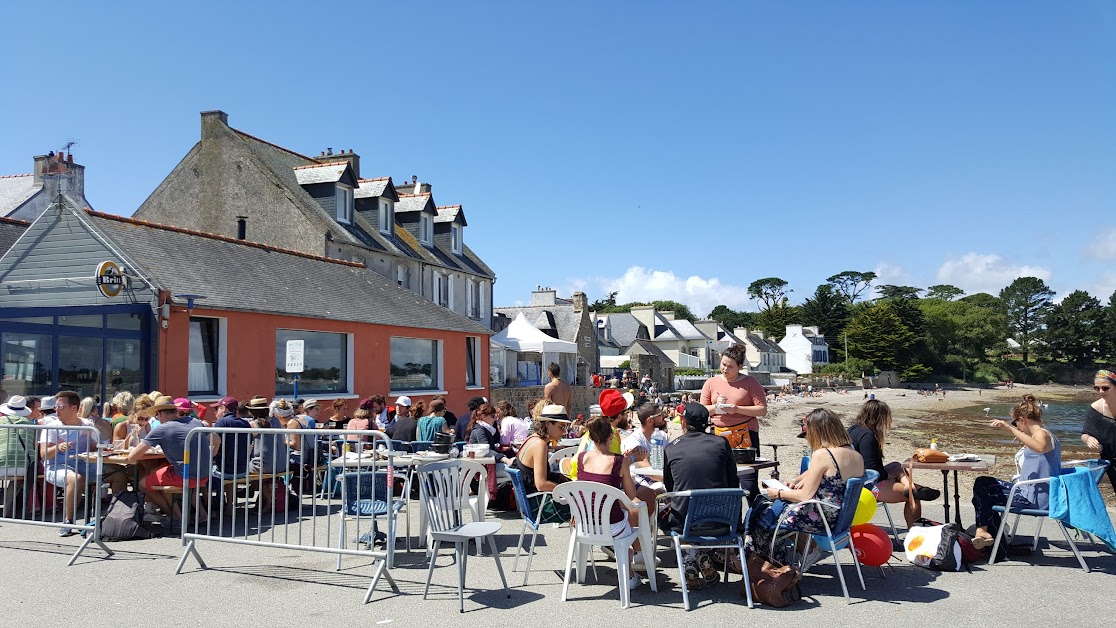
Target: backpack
<point>939,547</point>
<point>124,519</point>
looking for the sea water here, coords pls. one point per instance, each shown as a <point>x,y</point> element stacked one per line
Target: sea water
<point>1063,419</point>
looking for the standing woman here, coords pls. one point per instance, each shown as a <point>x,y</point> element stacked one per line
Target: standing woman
<point>868,434</point>
<point>735,401</point>
<point>1039,457</point>
<point>1099,433</point>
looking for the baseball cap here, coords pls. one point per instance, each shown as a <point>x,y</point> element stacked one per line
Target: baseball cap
<point>228,402</point>
<point>403,401</point>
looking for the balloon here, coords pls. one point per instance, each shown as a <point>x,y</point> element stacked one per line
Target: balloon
<point>873,545</point>
<point>865,508</point>
<point>823,542</point>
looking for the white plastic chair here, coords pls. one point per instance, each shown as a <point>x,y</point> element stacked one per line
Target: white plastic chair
<point>444,492</point>
<point>591,506</point>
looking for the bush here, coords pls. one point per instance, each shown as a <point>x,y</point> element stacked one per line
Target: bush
<point>854,369</point>
<point>986,373</point>
<point>689,371</point>
<point>626,364</point>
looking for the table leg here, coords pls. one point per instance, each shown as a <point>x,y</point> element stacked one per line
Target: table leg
<point>945,494</point>
<point>956,500</point>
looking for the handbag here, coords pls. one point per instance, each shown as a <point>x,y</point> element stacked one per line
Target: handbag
<point>932,456</point>
<point>772,585</point>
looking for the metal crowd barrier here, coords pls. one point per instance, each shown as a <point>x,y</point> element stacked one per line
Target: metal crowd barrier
<point>313,490</point>
<point>39,461</point>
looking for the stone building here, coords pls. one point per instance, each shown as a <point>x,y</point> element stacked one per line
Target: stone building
<point>27,196</point>
<point>237,185</point>
<point>565,319</point>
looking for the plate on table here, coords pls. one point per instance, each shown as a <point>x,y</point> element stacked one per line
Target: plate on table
<point>964,458</point>
<point>430,455</point>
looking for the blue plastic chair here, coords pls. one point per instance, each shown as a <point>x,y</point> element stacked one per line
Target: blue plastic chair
<point>532,519</point>
<point>1096,468</point>
<point>400,445</point>
<point>366,494</point>
<point>712,522</point>
<point>459,446</point>
<point>421,445</point>
<point>837,536</point>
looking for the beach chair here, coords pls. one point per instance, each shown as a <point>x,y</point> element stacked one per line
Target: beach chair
<point>712,522</point>
<point>532,519</point>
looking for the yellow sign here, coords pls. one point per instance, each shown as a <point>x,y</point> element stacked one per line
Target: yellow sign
<point>110,281</point>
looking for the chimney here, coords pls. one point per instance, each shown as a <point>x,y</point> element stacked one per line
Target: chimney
<point>212,122</point>
<point>758,334</point>
<point>354,159</point>
<point>544,296</point>
<point>667,314</point>
<point>580,302</point>
<point>741,333</point>
<point>40,168</point>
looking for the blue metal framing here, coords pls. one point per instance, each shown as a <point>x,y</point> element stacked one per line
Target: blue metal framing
<point>144,334</point>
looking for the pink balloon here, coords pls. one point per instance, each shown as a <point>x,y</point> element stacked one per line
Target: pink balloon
<point>873,545</point>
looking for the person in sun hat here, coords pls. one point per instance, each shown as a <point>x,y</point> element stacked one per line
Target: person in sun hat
<point>17,447</point>
<point>171,436</point>
<point>533,463</point>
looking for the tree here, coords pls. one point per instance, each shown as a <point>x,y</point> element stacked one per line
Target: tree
<point>773,321</point>
<point>1026,302</point>
<point>770,291</point>
<point>680,310</point>
<point>944,291</point>
<point>1074,328</point>
<point>603,305</point>
<point>1108,340</point>
<point>827,310</point>
<point>889,291</point>
<point>880,337</point>
<point>851,283</point>
<point>730,319</point>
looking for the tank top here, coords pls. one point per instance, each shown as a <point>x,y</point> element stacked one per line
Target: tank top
<point>613,479</point>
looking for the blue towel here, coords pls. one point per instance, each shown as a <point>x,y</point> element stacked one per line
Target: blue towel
<point>1086,510</point>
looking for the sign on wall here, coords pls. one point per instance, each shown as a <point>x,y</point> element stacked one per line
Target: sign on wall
<point>295,352</point>
<point>110,281</point>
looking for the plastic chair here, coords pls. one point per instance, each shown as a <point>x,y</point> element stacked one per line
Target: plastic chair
<point>591,505</point>
<point>400,445</point>
<point>836,535</point>
<point>442,486</point>
<point>555,459</point>
<point>531,519</point>
<point>460,446</point>
<point>421,445</point>
<point>707,509</point>
<point>366,494</point>
<point>1096,468</point>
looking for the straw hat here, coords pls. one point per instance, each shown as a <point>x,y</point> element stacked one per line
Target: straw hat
<point>161,403</point>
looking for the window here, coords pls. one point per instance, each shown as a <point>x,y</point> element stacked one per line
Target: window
<point>203,372</point>
<point>387,216</point>
<point>415,364</point>
<point>455,238</point>
<point>426,229</point>
<point>442,289</point>
<point>472,361</point>
<point>401,276</point>
<point>28,363</point>
<point>473,299</point>
<point>344,200</point>
<point>325,362</point>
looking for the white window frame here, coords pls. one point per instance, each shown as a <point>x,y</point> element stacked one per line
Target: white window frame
<point>387,216</point>
<point>477,372</point>
<point>343,198</point>
<point>456,233</point>
<point>473,301</point>
<point>403,276</point>
<point>222,359</point>
<point>350,362</point>
<point>442,280</point>
<point>426,229</point>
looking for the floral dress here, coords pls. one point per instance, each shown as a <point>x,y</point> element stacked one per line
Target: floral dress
<point>799,517</point>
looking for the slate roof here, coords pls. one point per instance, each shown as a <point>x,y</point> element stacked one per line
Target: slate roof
<point>10,230</point>
<point>271,280</point>
<point>625,327</point>
<point>559,319</point>
<point>15,190</point>
<point>765,344</point>
<point>371,188</point>
<point>687,330</point>
<point>651,349</point>
<point>450,213</point>
<point>320,173</point>
<point>415,203</point>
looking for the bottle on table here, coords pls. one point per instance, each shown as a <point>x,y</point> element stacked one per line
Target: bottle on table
<point>933,443</point>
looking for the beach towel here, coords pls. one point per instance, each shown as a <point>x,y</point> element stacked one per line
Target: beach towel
<point>1086,510</point>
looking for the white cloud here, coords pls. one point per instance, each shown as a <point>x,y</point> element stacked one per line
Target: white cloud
<point>644,284</point>
<point>887,274</point>
<point>1102,248</point>
<point>977,272</point>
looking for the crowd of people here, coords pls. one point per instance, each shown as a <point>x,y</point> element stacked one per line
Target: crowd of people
<point>619,437</point>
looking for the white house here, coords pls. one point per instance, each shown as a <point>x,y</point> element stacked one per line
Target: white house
<point>805,348</point>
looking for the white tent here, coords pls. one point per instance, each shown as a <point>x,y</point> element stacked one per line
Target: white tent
<point>523,337</point>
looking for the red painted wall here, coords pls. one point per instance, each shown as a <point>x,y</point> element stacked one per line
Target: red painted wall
<point>251,355</point>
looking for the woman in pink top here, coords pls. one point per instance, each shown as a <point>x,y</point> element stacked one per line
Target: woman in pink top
<point>735,401</point>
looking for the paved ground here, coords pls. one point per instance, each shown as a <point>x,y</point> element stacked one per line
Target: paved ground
<point>249,586</point>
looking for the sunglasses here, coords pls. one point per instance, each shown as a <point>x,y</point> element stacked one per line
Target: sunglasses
<point>1102,388</point>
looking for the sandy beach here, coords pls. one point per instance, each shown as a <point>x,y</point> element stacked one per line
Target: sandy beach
<point>918,418</point>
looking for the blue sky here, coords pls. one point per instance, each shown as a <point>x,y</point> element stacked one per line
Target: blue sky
<point>665,150</point>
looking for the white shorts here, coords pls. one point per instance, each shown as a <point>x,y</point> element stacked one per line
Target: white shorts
<point>621,529</point>
<point>57,475</point>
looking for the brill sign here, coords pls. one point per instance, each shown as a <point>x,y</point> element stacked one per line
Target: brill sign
<point>110,281</point>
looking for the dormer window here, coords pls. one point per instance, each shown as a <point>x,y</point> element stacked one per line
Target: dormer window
<point>426,229</point>
<point>344,204</point>
<point>387,216</point>
<point>455,238</point>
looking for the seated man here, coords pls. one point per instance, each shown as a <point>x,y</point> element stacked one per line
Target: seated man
<point>171,434</point>
<point>637,446</point>
<point>696,460</point>
<point>59,451</point>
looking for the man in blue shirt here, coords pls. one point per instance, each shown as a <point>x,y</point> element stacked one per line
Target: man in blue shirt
<point>174,427</point>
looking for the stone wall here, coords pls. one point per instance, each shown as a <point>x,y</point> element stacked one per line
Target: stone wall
<point>520,396</point>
